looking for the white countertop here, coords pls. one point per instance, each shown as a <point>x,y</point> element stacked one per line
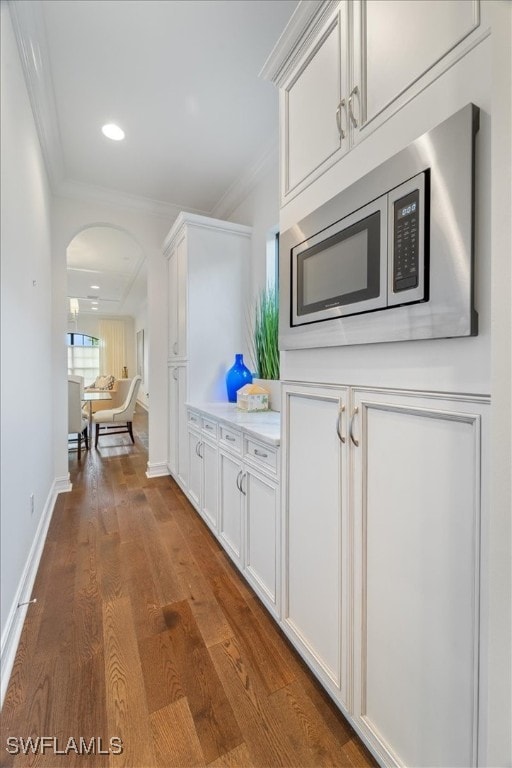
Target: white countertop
<point>263,425</point>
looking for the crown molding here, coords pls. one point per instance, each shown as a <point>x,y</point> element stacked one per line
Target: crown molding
<point>243,186</point>
<point>304,24</point>
<point>29,30</point>
<point>77,190</point>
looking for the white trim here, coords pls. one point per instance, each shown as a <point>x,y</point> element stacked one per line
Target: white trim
<point>295,39</point>
<point>15,619</point>
<point>157,469</point>
<point>202,222</point>
<point>62,484</point>
<point>243,186</point>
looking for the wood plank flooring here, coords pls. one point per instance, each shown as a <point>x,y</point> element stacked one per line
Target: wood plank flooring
<point>144,630</point>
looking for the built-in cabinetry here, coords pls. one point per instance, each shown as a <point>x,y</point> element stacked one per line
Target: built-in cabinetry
<point>233,483</point>
<point>381,499</point>
<point>340,78</point>
<point>207,269</point>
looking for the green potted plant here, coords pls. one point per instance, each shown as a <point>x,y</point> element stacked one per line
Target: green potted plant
<point>265,347</point>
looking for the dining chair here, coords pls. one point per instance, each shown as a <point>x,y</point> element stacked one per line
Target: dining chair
<point>114,421</point>
<point>77,420</point>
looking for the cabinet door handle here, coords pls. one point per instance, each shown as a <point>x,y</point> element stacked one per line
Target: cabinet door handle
<point>208,426</point>
<point>231,439</point>
<point>244,476</point>
<point>200,454</point>
<point>262,454</point>
<point>338,423</point>
<point>238,484</point>
<point>351,429</point>
<point>341,105</point>
<point>175,374</point>
<point>353,92</point>
<point>175,348</point>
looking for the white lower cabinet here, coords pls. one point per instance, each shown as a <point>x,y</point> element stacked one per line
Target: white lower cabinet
<point>416,558</point>
<point>234,485</point>
<point>230,504</point>
<point>203,464</point>
<point>315,562</point>
<point>381,559</point>
<point>262,535</point>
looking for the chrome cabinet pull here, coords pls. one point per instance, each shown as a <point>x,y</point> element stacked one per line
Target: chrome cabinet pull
<point>244,476</point>
<point>175,347</point>
<point>238,477</point>
<point>208,426</point>
<point>197,449</point>
<point>341,105</point>
<point>262,454</point>
<point>175,374</point>
<point>351,428</point>
<point>338,424</point>
<point>231,439</point>
<point>353,92</point>
<point>200,446</point>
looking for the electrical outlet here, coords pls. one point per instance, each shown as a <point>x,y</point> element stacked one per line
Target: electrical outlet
<point>31,503</point>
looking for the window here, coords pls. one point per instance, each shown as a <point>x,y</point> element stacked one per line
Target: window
<point>83,356</point>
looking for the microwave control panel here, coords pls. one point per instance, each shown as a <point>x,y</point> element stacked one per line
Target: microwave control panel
<point>406,240</point>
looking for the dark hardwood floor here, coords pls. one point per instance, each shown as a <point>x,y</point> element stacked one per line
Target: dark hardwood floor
<point>143,630</point>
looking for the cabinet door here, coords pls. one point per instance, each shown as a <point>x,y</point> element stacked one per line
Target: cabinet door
<point>230,506</point>
<point>182,296</point>
<point>194,468</point>
<point>261,536</point>
<point>428,38</point>
<point>314,119</point>
<point>210,472</point>
<point>172,430</point>
<point>172,304</point>
<point>315,533</point>
<point>417,500</point>
<point>182,425</point>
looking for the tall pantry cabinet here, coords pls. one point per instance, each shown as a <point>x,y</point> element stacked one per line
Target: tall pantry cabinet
<point>207,274</point>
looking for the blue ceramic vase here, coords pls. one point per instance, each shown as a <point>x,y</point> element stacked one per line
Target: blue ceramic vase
<point>236,377</point>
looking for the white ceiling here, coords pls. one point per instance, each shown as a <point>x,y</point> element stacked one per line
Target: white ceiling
<point>180,77</point>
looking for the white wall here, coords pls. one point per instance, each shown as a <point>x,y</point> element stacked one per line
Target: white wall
<point>142,324</point>
<point>70,217</point>
<point>26,331</point>
<point>260,210</point>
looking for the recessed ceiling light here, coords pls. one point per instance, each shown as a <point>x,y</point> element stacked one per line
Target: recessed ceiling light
<point>95,287</point>
<point>94,309</point>
<point>113,131</point>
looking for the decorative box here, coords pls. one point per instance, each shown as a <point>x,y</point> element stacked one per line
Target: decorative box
<point>252,397</point>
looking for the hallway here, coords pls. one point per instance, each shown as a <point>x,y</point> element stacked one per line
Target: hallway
<point>144,631</point>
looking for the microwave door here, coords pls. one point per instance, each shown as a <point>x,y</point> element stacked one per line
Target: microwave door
<point>342,270</point>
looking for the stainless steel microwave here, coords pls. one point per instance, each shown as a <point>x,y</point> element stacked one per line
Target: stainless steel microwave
<point>391,257</point>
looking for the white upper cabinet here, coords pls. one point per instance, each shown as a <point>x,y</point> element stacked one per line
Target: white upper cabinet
<point>423,34</point>
<point>343,68</point>
<point>315,123</point>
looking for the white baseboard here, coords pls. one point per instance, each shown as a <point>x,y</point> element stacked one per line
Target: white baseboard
<point>14,624</point>
<point>155,469</point>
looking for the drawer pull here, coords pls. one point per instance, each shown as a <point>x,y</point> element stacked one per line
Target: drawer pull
<point>208,426</point>
<point>262,454</point>
<point>231,439</point>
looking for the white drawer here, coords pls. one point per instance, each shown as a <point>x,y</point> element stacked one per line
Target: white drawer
<point>209,427</point>
<point>194,418</point>
<point>261,454</point>
<point>231,439</point>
